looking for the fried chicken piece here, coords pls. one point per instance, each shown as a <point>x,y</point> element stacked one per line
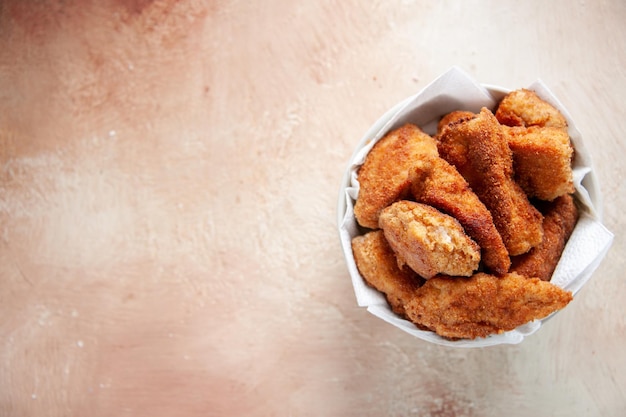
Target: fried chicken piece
<point>488,168</point>
<point>453,145</point>
<point>452,118</point>
<point>525,108</point>
<point>542,160</point>
<point>379,268</point>
<point>384,176</point>
<point>437,183</point>
<point>559,221</point>
<point>428,241</point>
<point>466,308</point>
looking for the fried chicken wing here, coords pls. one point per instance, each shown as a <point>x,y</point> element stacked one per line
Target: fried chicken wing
<point>525,108</point>
<point>542,160</point>
<point>466,308</point>
<point>428,241</point>
<point>559,221</point>
<point>487,165</point>
<point>384,176</point>
<point>437,183</point>
<point>378,266</point>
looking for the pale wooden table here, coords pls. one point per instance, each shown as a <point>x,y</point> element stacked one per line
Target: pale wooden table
<point>169,172</point>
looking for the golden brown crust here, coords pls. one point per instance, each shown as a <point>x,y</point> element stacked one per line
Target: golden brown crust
<point>429,241</point>
<point>542,160</point>
<point>378,266</point>
<point>559,222</point>
<point>483,304</point>
<point>489,172</point>
<point>437,183</point>
<point>384,176</point>
<point>525,108</point>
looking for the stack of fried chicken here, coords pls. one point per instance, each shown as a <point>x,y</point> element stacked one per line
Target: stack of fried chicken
<point>463,229</point>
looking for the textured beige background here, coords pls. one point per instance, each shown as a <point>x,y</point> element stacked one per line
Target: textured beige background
<point>169,172</point>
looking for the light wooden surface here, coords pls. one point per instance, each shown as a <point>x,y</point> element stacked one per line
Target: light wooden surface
<point>169,172</point>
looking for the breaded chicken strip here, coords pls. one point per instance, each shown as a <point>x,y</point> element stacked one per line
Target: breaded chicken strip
<point>378,266</point>
<point>542,160</point>
<point>488,168</point>
<point>525,108</point>
<point>384,176</point>
<point>428,241</point>
<point>466,308</point>
<point>559,221</point>
<point>437,183</point>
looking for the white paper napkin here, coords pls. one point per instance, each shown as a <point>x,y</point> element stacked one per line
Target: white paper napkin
<point>456,90</point>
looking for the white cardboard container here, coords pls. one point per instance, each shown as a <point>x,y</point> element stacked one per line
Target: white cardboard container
<point>456,90</point>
